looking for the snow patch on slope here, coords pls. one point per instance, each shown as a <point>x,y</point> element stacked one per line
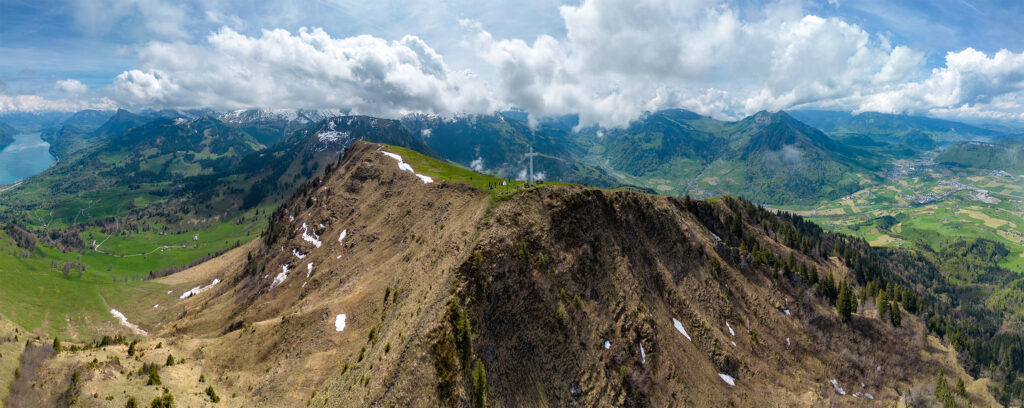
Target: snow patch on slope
<point>124,322</point>
<point>332,135</point>
<point>198,289</point>
<point>311,238</point>
<point>279,279</point>
<point>679,326</point>
<point>402,165</point>
<point>835,385</point>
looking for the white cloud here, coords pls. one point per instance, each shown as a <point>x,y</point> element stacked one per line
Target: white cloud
<point>71,86</point>
<point>971,82</point>
<point>308,69</point>
<point>622,57</point>
<point>609,61</point>
<point>35,103</point>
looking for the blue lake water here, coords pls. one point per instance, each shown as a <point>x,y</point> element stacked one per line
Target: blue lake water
<point>25,157</point>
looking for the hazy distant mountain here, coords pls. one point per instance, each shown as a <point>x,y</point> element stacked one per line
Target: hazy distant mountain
<point>88,119</point>
<point>1006,155</point>
<point>6,135</point>
<point>918,132</point>
<point>33,121</point>
<point>271,125</point>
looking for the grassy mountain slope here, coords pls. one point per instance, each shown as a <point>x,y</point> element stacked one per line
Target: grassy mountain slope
<point>443,284</point>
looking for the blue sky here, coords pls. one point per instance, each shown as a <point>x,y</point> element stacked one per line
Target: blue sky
<point>607,60</point>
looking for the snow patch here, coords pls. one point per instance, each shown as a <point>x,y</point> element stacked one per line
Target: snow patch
<point>332,135</point>
<point>786,312</point>
<point>643,354</point>
<point>730,329</point>
<point>402,165</point>
<point>198,289</point>
<point>679,326</point>
<point>717,238</point>
<point>607,345</point>
<point>787,342</point>
<point>156,305</point>
<point>342,238</point>
<point>339,322</point>
<point>733,343</point>
<point>835,385</point>
<point>728,379</point>
<point>298,254</point>
<point>426,179</point>
<point>309,270</point>
<point>124,322</point>
<point>280,277</point>
<point>311,238</point>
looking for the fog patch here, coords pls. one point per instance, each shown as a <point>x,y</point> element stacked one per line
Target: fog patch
<point>788,155</point>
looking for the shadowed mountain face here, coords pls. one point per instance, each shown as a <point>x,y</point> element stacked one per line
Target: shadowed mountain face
<point>275,171</point>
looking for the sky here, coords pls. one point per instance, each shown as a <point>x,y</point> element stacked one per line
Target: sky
<point>608,61</point>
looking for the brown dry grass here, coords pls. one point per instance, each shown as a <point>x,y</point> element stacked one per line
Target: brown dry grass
<point>547,276</point>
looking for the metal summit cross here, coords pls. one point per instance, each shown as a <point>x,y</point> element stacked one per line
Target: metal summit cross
<point>530,155</point>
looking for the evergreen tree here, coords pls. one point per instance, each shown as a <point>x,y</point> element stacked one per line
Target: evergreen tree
<point>479,384</point>
<point>894,314</point>
<point>844,304</point>
<point>943,395</point>
<point>883,305</point>
<point>961,390</point>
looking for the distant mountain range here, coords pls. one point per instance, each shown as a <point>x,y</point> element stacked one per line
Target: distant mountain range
<point>1006,155</point>
<point>797,157</point>
<point>917,132</point>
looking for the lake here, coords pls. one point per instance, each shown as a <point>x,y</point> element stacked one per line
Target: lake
<point>25,157</point>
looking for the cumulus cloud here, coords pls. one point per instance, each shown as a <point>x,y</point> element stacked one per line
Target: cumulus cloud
<point>620,58</point>
<point>611,61</point>
<point>307,69</point>
<point>35,103</point>
<point>970,82</point>
<point>71,86</point>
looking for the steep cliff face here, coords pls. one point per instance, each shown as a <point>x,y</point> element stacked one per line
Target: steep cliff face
<point>388,282</point>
